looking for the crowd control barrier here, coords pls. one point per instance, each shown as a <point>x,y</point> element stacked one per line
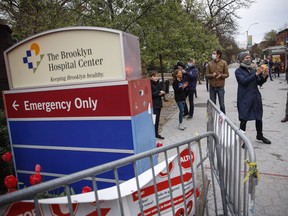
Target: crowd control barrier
<point>204,175</point>
<point>238,163</point>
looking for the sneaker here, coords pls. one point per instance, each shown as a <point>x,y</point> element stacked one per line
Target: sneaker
<point>159,137</point>
<point>189,117</point>
<point>263,139</point>
<point>181,127</point>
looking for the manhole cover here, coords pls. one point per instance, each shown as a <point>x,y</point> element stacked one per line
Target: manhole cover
<point>200,105</point>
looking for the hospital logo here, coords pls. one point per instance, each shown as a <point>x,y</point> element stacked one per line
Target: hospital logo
<point>33,57</point>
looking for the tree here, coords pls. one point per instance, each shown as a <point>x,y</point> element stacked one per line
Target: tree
<point>171,32</point>
<point>220,15</point>
<point>175,29</point>
<point>270,38</point>
<point>29,17</point>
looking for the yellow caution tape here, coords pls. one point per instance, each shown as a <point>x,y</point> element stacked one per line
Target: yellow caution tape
<point>252,170</point>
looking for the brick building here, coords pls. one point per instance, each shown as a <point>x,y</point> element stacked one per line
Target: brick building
<point>282,38</point>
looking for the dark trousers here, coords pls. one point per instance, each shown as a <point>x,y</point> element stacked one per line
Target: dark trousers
<point>213,92</point>
<point>207,83</point>
<point>277,71</point>
<point>270,74</point>
<point>191,102</point>
<point>286,110</point>
<point>185,109</point>
<point>157,112</point>
<point>258,124</point>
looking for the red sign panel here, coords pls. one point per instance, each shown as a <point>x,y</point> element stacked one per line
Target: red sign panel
<point>78,102</point>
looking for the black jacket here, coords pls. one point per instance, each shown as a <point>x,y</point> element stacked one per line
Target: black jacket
<point>156,98</point>
<point>180,94</point>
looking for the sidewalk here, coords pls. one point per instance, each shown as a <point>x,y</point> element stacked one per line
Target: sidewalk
<point>272,160</point>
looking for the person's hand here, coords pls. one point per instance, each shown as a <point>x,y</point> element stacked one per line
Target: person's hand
<point>259,71</point>
<point>185,84</point>
<point>162,93</point>
<point>262,69</point>
<point>218,76</point>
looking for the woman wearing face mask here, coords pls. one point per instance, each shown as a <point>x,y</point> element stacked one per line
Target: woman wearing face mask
<point>249,100</point>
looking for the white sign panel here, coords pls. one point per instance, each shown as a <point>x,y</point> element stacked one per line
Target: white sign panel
<point>69,56</point>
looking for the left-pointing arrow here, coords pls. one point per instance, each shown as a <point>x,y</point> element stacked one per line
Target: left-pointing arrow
<point>15,105</point>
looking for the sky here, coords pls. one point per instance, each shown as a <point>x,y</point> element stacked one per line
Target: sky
<point>269,14</point>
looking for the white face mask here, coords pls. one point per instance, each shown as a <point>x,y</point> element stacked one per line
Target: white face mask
<point>213,56</point>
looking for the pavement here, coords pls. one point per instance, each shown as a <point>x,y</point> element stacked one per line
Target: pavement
<point>272,160</point>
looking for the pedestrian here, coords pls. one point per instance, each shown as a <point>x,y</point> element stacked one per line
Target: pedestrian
<point>217,72</point>
<point>179,87</point>
<point>285,119</point>
<point>199,78</point>
<point>277,68</point>
<point>269,64</point>
<point>204,67</point>
<point>249,99</point>
<point>180,65</point>
<point>191,75</point>
<point>157,94</point>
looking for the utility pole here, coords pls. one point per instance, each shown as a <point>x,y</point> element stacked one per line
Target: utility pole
<point>247,36</point>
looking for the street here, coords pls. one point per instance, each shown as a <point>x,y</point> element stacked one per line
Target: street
<point>272,160</point>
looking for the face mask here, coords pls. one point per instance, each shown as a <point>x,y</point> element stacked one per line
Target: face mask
<point>247,62</point>
<point>189,65</point>
<point>213,56</point>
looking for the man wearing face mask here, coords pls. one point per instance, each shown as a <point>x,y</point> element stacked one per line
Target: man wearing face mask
<point>191,75</point>
<point>216,73</point>
<point>249,100</point>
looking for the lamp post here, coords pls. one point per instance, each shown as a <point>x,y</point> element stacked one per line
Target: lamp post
<point>247,33</point>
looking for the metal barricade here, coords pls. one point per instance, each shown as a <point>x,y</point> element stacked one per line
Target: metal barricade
<point>157,188</point>
<point>218,173</point>
<point>238,161</point>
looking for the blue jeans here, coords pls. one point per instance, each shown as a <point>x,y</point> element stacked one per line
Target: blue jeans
<point>220,92</point>
<point>180,105</point>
